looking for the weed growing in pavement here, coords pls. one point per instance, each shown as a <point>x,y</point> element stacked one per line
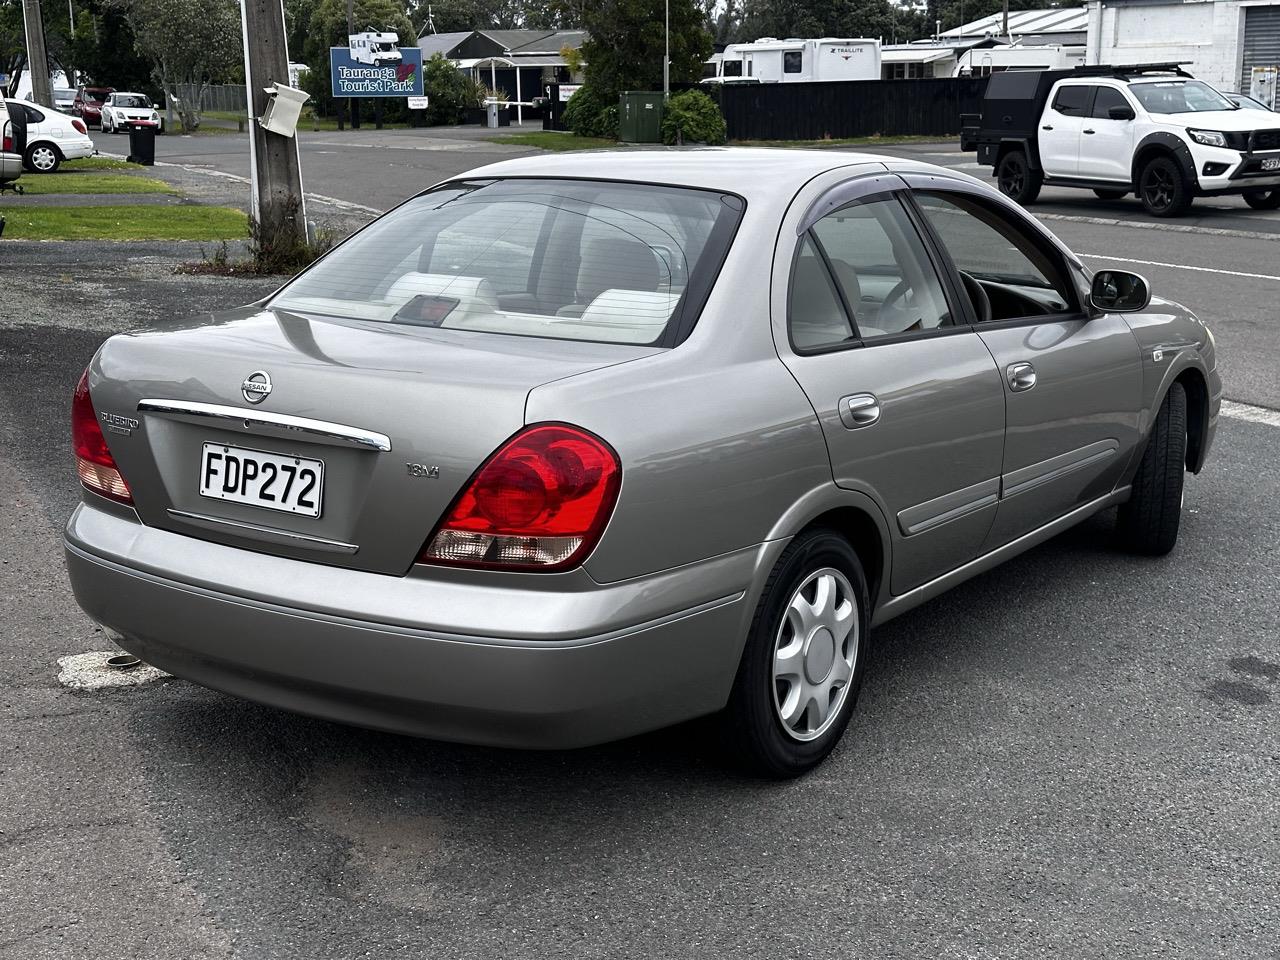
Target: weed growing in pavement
<point>272,250</point>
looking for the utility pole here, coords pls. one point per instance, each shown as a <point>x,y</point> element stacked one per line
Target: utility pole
<point>1006,19</point>
<point>275,169</point>
<point>37,56</point>
<point>666,55</point>
<point>353,102</point>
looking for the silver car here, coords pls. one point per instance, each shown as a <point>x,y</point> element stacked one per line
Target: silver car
<point>575,447</point>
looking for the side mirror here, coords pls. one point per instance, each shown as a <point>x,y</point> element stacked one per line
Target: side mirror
<point>1121,113</point>
<point>1118,291</point>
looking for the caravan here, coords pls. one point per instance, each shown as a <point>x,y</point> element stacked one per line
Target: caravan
<point>770,60</point>
<point>373,48</point>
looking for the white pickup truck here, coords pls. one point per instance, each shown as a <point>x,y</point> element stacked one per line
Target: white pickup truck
<point>1148,129</point>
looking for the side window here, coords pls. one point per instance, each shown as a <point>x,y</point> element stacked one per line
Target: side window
<point>815,315</point>
<point>34,115</point>
<point>792,61</point>
<point>1106,98</point>
<point>879,263</point>
<point>1007,273</point>
<point>1072,101</point>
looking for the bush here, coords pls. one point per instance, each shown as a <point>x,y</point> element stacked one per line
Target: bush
<point>449,90</point>
<point>696,116</point>
<point>588,115</point>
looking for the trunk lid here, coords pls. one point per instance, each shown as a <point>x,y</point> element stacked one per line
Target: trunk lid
<point>443,401</point>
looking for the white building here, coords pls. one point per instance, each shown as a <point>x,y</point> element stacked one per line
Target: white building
<point>1223,40</point>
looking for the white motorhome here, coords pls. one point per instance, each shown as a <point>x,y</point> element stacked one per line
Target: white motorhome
<point>374,48</point>
<point>984,61</point>
<point>769,60</point>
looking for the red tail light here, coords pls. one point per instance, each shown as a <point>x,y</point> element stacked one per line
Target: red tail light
<point>540,503</point>
<point>79,125</point>
<point>94,463</point>
<point>7,145</point>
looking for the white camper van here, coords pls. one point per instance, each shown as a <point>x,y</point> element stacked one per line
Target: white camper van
<point>984,61</point>
<point>373,48</point>
<point>770,60</point>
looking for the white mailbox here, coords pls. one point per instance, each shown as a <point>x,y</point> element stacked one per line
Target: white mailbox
<point>283,109</point>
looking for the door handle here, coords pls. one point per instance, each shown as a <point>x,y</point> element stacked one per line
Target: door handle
<point>1046,127</point>
<point>859,410</point>
<point>1089,131</point>
<point>1021,376</point>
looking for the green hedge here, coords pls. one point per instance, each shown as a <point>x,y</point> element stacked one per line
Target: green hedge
<point>587,115</point>
<point>696,116</point>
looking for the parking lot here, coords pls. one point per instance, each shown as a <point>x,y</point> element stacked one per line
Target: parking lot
<point>1075,755</point>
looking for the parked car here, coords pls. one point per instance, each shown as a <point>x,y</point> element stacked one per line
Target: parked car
<point>704,421</point>
<point>64,98</point>
<point>11,146</point>
<point>1150,129</point>
<point>1246,102</point>
<point>126,111</point>
<point>88,104</point>
<point>51,137</point>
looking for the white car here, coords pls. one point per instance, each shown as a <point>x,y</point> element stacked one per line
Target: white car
<point>123,111</point>
<point>51,137</point>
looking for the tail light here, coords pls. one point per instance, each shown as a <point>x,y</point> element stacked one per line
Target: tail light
<point>6,145</point>
<point>540,502</point>
<point>79,125</point>
<point>94,463</point>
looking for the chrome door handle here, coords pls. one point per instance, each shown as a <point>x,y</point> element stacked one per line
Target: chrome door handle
<point>1021,376</point>
<point>859,410</point>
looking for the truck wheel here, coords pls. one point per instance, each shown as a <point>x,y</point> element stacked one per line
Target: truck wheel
<point>1262,199</point>
<point>1110,194</point>
<point>1017,180</point>
<point>1148,522</point>
<point>1163,189</point>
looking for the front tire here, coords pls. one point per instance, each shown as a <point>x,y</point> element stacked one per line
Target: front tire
<point>801,669</point>
<point>1163,188</point>
<point>1263,199</point>
<point>1149,522</point>
<point>1016,179</point>
<point>42,158</point>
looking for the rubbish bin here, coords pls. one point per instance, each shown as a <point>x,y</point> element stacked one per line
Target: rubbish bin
<point>491,113</point>
<point>142,146</point>
<point>640,117</point>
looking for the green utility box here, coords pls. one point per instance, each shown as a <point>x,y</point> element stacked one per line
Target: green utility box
<point>640,117</point>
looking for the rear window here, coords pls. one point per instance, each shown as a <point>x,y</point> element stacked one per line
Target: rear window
<point>566,259</point>
<point>1072,101</point>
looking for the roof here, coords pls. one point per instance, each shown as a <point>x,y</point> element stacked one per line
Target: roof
<point>918,53</point>
<point>442,43</point>
<point>553,42</point>
<point>1025,22</point>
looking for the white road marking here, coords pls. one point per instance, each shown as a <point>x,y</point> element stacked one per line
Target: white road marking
<point>1247,411</point>
<point>89,671</point>
<point>1183,266</point>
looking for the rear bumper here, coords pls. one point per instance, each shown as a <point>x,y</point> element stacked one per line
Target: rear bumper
<point>599,679</point>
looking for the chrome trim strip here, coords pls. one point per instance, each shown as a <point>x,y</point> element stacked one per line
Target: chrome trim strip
<point>940,585</point>
<point>1055,468</point>
<point>950,506</point>
<point>256,532</point>
<point>318,429</point>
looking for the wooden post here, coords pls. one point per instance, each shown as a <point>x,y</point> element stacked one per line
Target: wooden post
<point>37,56</point>
<point>275,170</point>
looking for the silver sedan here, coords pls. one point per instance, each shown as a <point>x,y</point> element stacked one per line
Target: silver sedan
<point>574,447</point>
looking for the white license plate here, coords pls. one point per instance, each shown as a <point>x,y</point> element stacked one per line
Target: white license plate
<point>290,484</point>
<point>1271,163</point>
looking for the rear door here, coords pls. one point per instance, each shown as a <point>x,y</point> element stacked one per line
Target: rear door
<point>910,402</point>
<point>1060,129</point>
<point>1072,383</point>
<point>1106,145</point>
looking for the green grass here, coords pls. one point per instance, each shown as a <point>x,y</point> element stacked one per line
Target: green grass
<point>553,140</point>
<point>124,223</point>
<point>835,142</point>
<point>49,183</point>
<point>98,163</point>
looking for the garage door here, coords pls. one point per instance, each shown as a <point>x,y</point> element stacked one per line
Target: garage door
<point>1261,41</point>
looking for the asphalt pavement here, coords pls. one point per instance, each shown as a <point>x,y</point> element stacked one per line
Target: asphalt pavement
<point>1075,755</point>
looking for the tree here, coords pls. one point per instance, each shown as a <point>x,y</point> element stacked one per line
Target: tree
<point>625,46</point>
<point>191,43</point>
<point>328,28</point>
<point>830,18</point>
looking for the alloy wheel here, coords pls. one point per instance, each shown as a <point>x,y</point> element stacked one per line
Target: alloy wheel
<point>1012,178</point>
<point>815,653</point>
<point>1158,187</point>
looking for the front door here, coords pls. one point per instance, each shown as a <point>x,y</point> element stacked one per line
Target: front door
<point>1072,383</point>
<point>1106,145</point>
<point>1059,133</point>
<point>911,404</point>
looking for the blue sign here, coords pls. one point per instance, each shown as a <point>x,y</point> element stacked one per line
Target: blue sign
<point>374,71</point>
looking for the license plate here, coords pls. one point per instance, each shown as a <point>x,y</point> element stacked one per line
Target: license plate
<point>1271,163</point>
<point>261,479</point>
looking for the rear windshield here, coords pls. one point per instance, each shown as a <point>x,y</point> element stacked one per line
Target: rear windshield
<point>568,259</point>
<point>1179,96</point>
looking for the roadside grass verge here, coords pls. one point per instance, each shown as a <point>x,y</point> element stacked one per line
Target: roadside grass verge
<point>123,223</point>
<point>95,163</point>
<point>553,140</point>
<point>51,183</point>
<point>837,142</point>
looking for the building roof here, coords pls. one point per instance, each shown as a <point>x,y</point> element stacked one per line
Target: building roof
<point>1026,22</point>
<point>444,43</point>
<point>553,43</point>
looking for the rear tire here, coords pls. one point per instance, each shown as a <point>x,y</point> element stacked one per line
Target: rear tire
<point>1016,179</point>
<point>1163,188</point>
<point>788,710</point>
<point>42,158</point>
<point>1109,194</point>
<point>1149,522</point>
<point>1263,199</point>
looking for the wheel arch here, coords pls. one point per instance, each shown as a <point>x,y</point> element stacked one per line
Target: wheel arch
<point>1197,391</point>
<point>1167,145</point>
